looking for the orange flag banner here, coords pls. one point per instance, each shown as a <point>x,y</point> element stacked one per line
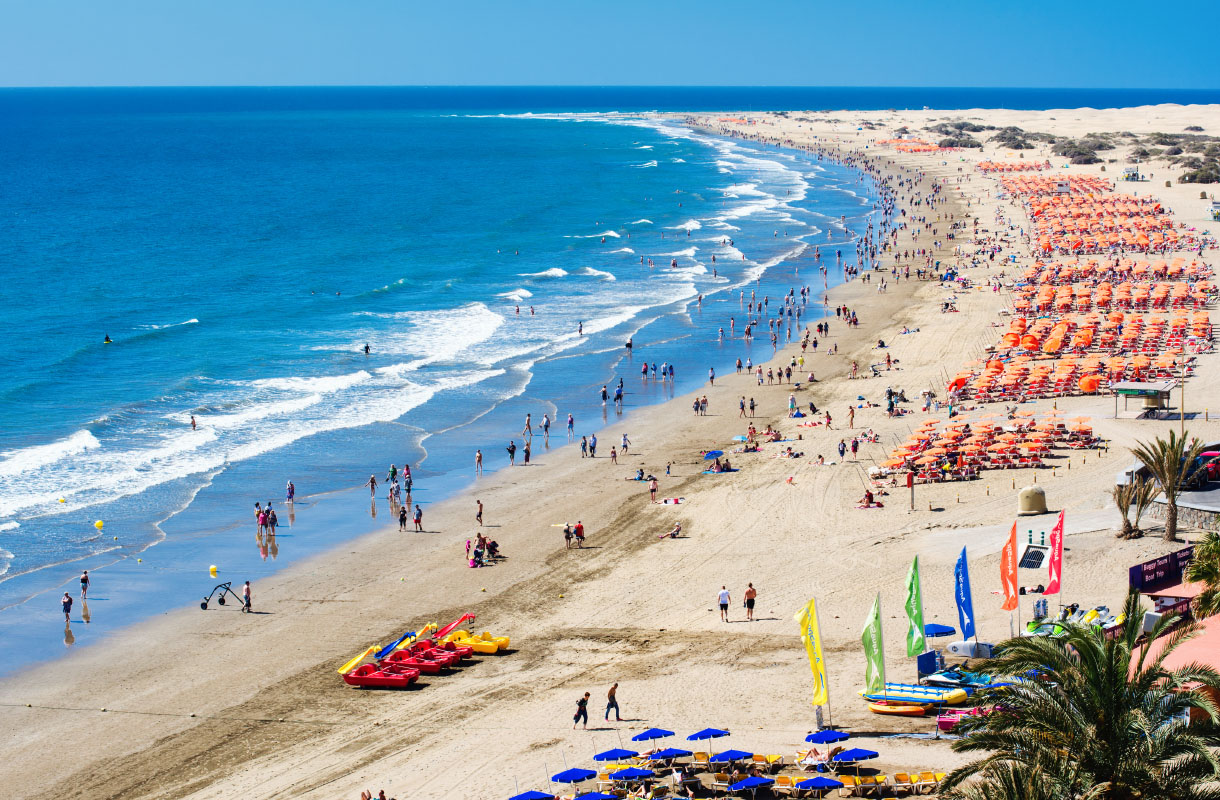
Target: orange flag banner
<point>1008,570</point>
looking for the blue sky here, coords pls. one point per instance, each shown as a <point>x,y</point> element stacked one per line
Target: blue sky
<point>663,42</point>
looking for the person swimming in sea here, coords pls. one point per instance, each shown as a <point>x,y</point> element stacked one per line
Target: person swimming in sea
<point>107,340</point>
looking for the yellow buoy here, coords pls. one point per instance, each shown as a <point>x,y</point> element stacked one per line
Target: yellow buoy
<point>99,524</point>
<point>62,500</point>
<point>139,561</point>
<point>212,570</point>
<point>116,538</point>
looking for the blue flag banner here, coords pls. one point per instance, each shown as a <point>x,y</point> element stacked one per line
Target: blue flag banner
<point>965,605</point>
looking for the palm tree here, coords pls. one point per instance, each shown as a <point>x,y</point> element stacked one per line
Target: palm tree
<point>1139,493</point>
<point>1205,569</point>
<point>1171,463</point>
<point>1011,780</point>
<point>1098,718</point>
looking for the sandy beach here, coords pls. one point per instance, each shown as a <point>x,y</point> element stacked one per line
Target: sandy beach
<point>223,705</point>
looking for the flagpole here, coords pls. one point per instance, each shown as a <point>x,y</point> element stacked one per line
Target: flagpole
<point>922,633</point>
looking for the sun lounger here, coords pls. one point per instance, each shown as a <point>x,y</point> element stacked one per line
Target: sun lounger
<point>702,760</point>
<point>927,781</point>
<point>720,781</point>
<point>903,781</point>
<point>850,785</point>
<point>783,783</point>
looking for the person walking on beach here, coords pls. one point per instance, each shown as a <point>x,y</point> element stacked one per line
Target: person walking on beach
<point>478,516</point>
<point>582,712</point>
<point>652,490</point>
<point>751,595</point>
<point>626,444</point>
<point>290,493</point>
<point>855,447</point>
<point>372,484</point>
<point>546,429</point>
<point>593,445</point>
<point>245,597</point>
<point>571,427</point>
<point>711,375</point>
<point>613,455</point>
<point>66,602</point>
<point>512,452</point>
<point>528,430</point>
<point>612,703</point>
<point>525,451</point>
<point>723,599</point>
<point>193,422</point>
<point>272,520</point>
<point>842,449</point>
<point>419,518</point>
<point>584,446</point>
<point>478,462</point>
<point>751,406</point>
<point>741,407</point>
<point>851,417</point>
<point>402,518</point>
<point>84,584</point>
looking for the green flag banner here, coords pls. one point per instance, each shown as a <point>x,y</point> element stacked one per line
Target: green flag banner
<point>916,643</point>
<point>874,650</point>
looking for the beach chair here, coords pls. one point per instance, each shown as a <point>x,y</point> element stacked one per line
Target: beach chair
<point>927,780</point>
<point>850,785</point>
<point>783,784</point>
<point>775,761</point>
<point>659,792</point>
<point>902,781</point>
<point>880,784</point>
<point>603,780</point>
<point>760,760</point>
<point>721,781</point>
<point>701,760</point>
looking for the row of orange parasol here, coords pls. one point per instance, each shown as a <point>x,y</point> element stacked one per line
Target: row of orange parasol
<point>1013,166</point>
<point>1059,272</point>
<point>1049,184</point>
<point>928,446</point>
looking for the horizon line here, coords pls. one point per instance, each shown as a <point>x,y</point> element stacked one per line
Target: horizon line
<point>599,86</point>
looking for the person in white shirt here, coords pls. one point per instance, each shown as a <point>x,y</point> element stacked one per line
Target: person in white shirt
<point>724,601</point>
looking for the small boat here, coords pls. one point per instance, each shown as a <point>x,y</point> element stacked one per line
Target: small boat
<point>481,643</point>
<point>898,709</point>
<point>464,653</point>
<point>448,658</point>
<point>915,694</point>
<point>953,677</point>
<point>388,677</point>
<point>404,658</point>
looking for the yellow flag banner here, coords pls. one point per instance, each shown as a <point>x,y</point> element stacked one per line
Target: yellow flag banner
<point>812,637</point>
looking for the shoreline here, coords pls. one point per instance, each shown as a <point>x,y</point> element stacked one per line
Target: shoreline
<point>265,715</point>
<point>208,528</point>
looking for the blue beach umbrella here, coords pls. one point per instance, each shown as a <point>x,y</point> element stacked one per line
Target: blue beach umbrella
<point>934,631</point>
<point>710,454</point>
<point>597,796</point>
<point>668,753</point>
<point>854,754</point>
<point>617,754</point>
<point>650,734</point>
<point>631,774</point>
<point>706,733</point>
<point>819,783</point>
<point>532,795</point>
<point>731,755</point>
<point>753,783</point>
<point>827,736</point>
<point>574,775</point>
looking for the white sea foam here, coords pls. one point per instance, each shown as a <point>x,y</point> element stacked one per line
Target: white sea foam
<point>644,147</point>
<point>678,160</point>
<point>516,295</point>
<point>9,526</point>
<point>553,272</point>
<point>16,462</point>
<point>689,225</point>
<point>642,222</point>
<point>645,165</point>
<point>602,235</point>
<point>687,253</point>
<point>597,273</point>
<point>322,385</point>
<point>623,250</point>
<point>170,325</point>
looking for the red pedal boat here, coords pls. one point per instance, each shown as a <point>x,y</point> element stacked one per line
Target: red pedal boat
<point>408,659</point>
<point>393,676</point>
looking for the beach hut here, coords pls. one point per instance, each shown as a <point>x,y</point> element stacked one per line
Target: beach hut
<point>1131,173</point>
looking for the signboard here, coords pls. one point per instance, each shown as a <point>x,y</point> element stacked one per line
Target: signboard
<point>1160,572</point>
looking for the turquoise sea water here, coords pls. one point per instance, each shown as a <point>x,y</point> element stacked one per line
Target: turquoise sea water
<point>240,259</point>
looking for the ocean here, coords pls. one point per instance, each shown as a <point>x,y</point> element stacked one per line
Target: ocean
<point>241,247</point>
